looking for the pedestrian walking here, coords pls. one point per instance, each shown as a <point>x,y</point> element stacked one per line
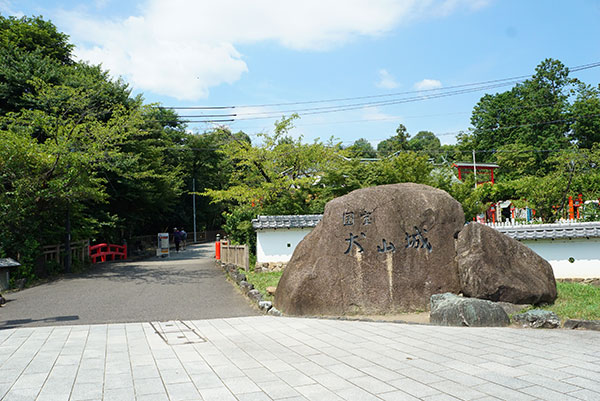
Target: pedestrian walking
<point>176,238</point>
<point>183,238</point>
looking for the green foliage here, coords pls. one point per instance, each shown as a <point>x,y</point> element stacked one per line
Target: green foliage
<point>425,142</point>
<point>404,167</point>
<point>576,301</point>
<point>282,175</point>
<point>394,144</point>
<point>361,148</point>
<point>533,113</point>
<point>71,138</point>
<point>585,111</point>
<point>263,280</point>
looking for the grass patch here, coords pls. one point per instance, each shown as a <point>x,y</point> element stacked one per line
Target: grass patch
<point>576,301</point>
<point>263,280</point>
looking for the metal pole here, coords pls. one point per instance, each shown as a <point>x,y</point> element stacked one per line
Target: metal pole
<point>68,239</point>
<point>194,202</point>
<point>474,169</point>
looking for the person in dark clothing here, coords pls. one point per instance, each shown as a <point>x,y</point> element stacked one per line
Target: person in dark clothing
<point>176,238</point>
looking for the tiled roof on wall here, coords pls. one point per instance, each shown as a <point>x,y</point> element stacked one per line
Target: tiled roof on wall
<point>551,231</point>
<point>287,221</point>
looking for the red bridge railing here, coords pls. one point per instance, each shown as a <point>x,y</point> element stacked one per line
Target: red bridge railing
<point>105,251</point>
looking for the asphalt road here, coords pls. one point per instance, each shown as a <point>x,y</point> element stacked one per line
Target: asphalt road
<point>185,286</point>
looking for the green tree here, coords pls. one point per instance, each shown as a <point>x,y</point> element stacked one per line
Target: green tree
<point>29,48</point>
<point>395,143</point>
<point>281,175</point>
<point>72,138</point>
<point>361,148</point>
<point>533,113</point>
<point>585,112</point>
<point>404,167</point>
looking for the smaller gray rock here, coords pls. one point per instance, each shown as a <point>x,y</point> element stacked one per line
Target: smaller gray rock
<point>255,295</point>
<point>265,305</point>
<point>582,324</point>
<point>451,310</point>
<point>274,312</point>
<point>512,309</point>
<point>538,318</point>
<point>246,286</point>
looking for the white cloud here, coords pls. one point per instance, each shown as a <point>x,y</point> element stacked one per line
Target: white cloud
<point>386,80</point>
<point>428,84</point>
<point>7,8</point>
<point>373,114</point>
<point>181,48</point>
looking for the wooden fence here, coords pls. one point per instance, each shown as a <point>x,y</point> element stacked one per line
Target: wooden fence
<point>235,254</point>
<point>79,250</point>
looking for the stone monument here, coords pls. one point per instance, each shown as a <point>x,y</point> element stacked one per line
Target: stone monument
<point>387,249</point>
<point>376,250</point>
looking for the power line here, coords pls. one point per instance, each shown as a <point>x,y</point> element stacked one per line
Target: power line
<point>348,107</point>
<point>503,81</point>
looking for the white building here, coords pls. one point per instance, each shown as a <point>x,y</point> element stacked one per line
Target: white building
<point>277,236</point>
<point>573,249</point>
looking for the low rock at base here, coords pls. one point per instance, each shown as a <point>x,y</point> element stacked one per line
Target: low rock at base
<point>493,266</point>
<point>274,312</point>
<point>246,286</point>
<point>512,309</point>
<point>538,319</point>
<point>255,295</point>
<point>265,305</point>
<point>451,310</point>
<point>582,324</point>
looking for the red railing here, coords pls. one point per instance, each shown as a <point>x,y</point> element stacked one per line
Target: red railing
<point>102,251</point>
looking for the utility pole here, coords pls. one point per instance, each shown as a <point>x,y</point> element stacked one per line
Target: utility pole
<point>194,204</point>
<point>474,169</point>
<point>68,239</point>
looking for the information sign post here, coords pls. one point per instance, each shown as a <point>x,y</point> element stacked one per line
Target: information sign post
<point>162,248</point>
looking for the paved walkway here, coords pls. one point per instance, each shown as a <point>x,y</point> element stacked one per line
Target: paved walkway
<point>187,285</point>
<point>270,358</point>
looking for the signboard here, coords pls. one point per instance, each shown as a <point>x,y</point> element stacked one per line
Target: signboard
<point>162,248</point>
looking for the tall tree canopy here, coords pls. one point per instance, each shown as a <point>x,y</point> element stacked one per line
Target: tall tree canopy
<point>73,139</point>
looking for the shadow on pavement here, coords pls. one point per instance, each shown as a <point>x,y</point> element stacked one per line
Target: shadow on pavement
<point>10,324</point>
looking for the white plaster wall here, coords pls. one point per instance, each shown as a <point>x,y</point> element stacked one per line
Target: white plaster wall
<point>586,253</point>
<point>272,245</point>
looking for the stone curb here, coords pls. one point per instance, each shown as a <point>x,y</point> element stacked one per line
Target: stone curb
<point>248,289</point>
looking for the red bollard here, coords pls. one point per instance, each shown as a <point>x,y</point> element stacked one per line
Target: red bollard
<point>218,250</point>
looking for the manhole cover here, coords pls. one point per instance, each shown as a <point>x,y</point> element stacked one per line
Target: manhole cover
<point>177,333</point>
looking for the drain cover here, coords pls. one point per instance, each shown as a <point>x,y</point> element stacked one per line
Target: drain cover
<point>177,333</point>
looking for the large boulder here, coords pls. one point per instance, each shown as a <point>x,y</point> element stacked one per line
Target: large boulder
<point>496,267</point>
<point>377,250</point>
<point>451,310</point>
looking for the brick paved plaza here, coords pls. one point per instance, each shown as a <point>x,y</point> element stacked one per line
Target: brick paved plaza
<point>280,358</point>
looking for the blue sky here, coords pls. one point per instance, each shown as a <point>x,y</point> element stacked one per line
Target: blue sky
<point>261,52</point>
